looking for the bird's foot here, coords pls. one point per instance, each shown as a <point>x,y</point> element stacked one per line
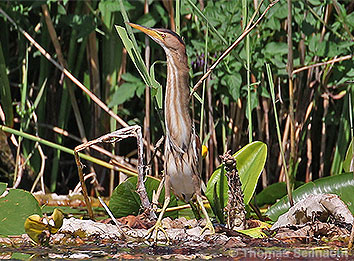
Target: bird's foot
<point>155,230</point>
<point>209,226</point>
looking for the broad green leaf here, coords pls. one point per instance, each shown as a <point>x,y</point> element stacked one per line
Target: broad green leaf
<point>134,55</point>
<point>233,82</point>
<point>15,207</point>
<point>128,77</point>
<point>250,163</point>
<point>272,193</point>
<point>107,7</point>
<point>147,20</point>
<point>3,187</point>
<point>125,201</point>
<point>124,93</point>
<point>342,185</point>
<point>273,49</point>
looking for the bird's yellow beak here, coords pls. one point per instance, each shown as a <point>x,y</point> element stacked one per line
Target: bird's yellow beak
<point>150,32</point>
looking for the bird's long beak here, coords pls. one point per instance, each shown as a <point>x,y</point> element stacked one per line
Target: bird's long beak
<point>149,31</point>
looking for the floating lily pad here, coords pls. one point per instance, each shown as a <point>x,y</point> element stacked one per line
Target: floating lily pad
<point>15,207</point>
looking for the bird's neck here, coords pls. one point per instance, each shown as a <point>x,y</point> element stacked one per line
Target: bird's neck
<point>177,116</point>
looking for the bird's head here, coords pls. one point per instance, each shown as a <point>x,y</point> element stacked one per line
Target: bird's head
<point>164,37</point>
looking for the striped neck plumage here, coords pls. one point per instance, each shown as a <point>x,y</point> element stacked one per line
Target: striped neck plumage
<point>177,118</point>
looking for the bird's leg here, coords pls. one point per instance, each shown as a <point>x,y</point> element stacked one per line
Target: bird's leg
<point>158,224</point>
<point>208,225</point>
<point>156,195</point>
<point>197,184</point>
<point>195,210</point>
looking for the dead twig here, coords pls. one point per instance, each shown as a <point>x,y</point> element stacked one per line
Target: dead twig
<point>339,59</point>
<point>113,137</point>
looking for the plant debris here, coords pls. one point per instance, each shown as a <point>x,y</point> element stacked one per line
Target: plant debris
<point>235,208</point>
<point>318,217</point>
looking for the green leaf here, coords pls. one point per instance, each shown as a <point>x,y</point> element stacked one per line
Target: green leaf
<point>213,183</point>
<point>128,77</point>
<point>124,93</point>
<point>3,187</point>
<point>108,6</point>
<point>256,232</point>
<point>156,85</point>
<point>5,91</point>
<point>83,24</point>
<point>134,55</point>
<point>125,201</point>
<point>342,185</point>
<point>272,193</point>
<point>348,158</point>
<point>273,49</point>
<point>250,163</point>
<point>147,20</point>
<point>15,207</point>
<point>233,82</point>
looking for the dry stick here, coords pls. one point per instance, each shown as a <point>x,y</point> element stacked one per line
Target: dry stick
<point>115,158</point>
<point>41,153</point>
<point>323,135</point>
<point>280,166</point>
<point>339,59</point>
<point>248,29</point>
<point>54,37</point>
<point>131,131</point>
<point>147,91</point>
<point>65,71</point>
<point>83,186</point>
<point>94,77</point>
<point>291,97</point>
<point>308,176</point>
<point>41,171</point>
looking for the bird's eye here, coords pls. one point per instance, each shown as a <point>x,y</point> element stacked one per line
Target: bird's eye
<point>163,36</point>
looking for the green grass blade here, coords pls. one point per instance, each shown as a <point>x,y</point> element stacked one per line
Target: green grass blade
<point>5,92</point>
<point>134,55</point>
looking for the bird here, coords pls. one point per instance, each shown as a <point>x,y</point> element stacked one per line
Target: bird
<point>182,150</point>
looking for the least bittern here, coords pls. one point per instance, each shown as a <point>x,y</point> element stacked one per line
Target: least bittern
<point>182,165</point>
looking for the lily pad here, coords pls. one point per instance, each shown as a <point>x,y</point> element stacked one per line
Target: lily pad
<point>15,207</point>
<point>3,187</point>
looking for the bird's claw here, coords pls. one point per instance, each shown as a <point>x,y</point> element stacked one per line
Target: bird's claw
<point>156,228</point>
<point>209,226</point>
